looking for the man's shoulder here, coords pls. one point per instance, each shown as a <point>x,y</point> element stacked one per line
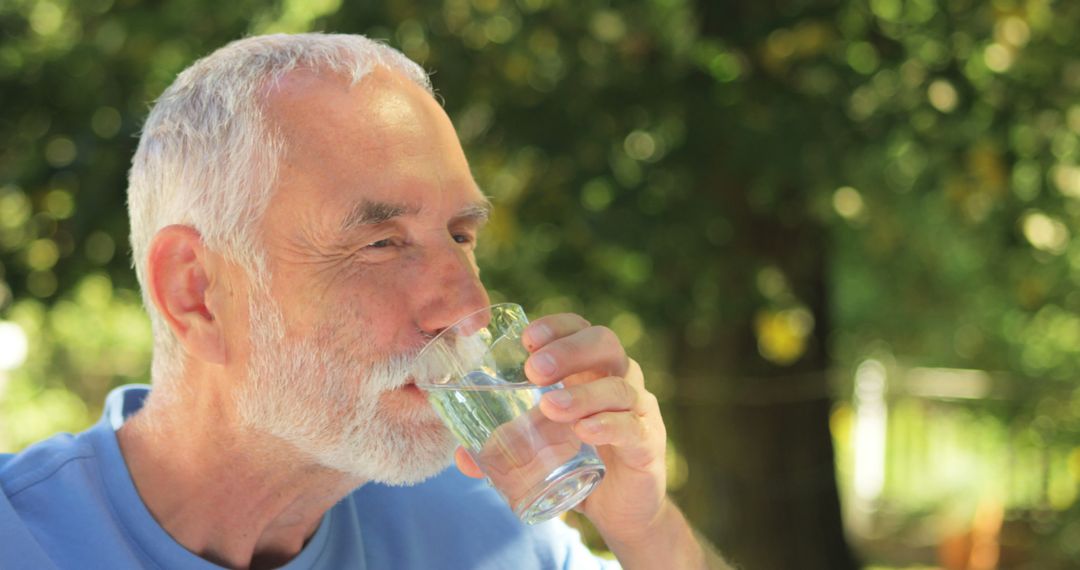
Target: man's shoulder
<point>42,461</point>
<point>40,488</point>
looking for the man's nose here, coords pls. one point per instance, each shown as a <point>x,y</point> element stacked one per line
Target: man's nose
<point>453,291</point>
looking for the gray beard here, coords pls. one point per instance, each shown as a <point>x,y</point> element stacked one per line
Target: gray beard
<point>307,393</point>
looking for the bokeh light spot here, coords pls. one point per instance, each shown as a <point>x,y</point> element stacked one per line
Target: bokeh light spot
<point>597,195</point>
<point>499,29</point>
<point>608,26</point>
<point>1045,233</point>
<point>46,18</point>
<point>640,145</point>
<point>998,57</point>
<point>628,327</point>
<point>782,335</point>
<point>100,248</point>
<point>15,208</point>
<point>780,44</point>
<point>848,203</point>
<point>1014,30</point>
<point>105,122</point>
<point>60,204</point>
<point>862,57</point>
<point>886,9</point>
<point>42,254</point>
<point>1067,179</point>
<point>60,151</point>
<point>942,96</point>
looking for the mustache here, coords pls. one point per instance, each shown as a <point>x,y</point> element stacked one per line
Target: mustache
<point>448,356</point>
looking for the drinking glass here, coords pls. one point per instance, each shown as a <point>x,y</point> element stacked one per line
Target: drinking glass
<point>473,374</point>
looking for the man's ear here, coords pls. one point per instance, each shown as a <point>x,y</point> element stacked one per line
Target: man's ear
<point>181,274</point>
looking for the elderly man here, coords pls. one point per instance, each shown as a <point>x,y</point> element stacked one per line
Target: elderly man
<point>303,220</point>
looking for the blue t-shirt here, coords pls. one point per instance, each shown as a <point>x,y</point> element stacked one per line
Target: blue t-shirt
<point>69,502</point>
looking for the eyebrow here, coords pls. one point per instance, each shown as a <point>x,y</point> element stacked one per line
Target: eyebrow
<point>370,213</point>
<point>478,211</point>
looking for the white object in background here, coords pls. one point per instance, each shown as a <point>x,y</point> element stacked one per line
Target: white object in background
<point>871,416</point>
<point>13,346</point>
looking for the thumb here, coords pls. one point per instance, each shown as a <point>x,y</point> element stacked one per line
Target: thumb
<point>466,465</point>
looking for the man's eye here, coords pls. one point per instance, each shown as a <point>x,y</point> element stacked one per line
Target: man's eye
<point>381,243</point>
<point>463,238</point>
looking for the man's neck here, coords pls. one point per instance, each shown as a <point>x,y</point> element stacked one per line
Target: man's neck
<point>236,498</point>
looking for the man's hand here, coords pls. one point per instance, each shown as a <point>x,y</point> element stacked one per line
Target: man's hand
<point>606,402</point>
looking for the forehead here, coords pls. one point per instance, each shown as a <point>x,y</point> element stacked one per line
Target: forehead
<point>307,106</point>
<point>384,139</point>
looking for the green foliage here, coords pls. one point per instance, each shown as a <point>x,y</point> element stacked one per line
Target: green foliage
<point>91,339</point>
<point>783,186</point>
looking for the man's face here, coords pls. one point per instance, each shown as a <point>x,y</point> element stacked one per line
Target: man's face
<point>370,236</point>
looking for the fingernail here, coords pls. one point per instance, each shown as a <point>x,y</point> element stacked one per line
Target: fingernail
<point>592,425</point>
<point>560,398</point>
<point>544,364</point>
<point>539,335</point>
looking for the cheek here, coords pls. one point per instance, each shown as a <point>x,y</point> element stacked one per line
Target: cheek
<point>377,289</point>
<point>373,305</point>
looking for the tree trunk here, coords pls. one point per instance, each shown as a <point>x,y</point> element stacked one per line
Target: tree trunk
<point>762,473</point>
<point>762,477</point>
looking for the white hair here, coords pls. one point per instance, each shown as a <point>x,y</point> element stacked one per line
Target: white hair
<point>208,159</point>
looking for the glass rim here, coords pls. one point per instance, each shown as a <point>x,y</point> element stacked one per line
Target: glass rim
<point>488,308</point>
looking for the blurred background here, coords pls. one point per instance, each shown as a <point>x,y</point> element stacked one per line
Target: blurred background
<point>838,234</point>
